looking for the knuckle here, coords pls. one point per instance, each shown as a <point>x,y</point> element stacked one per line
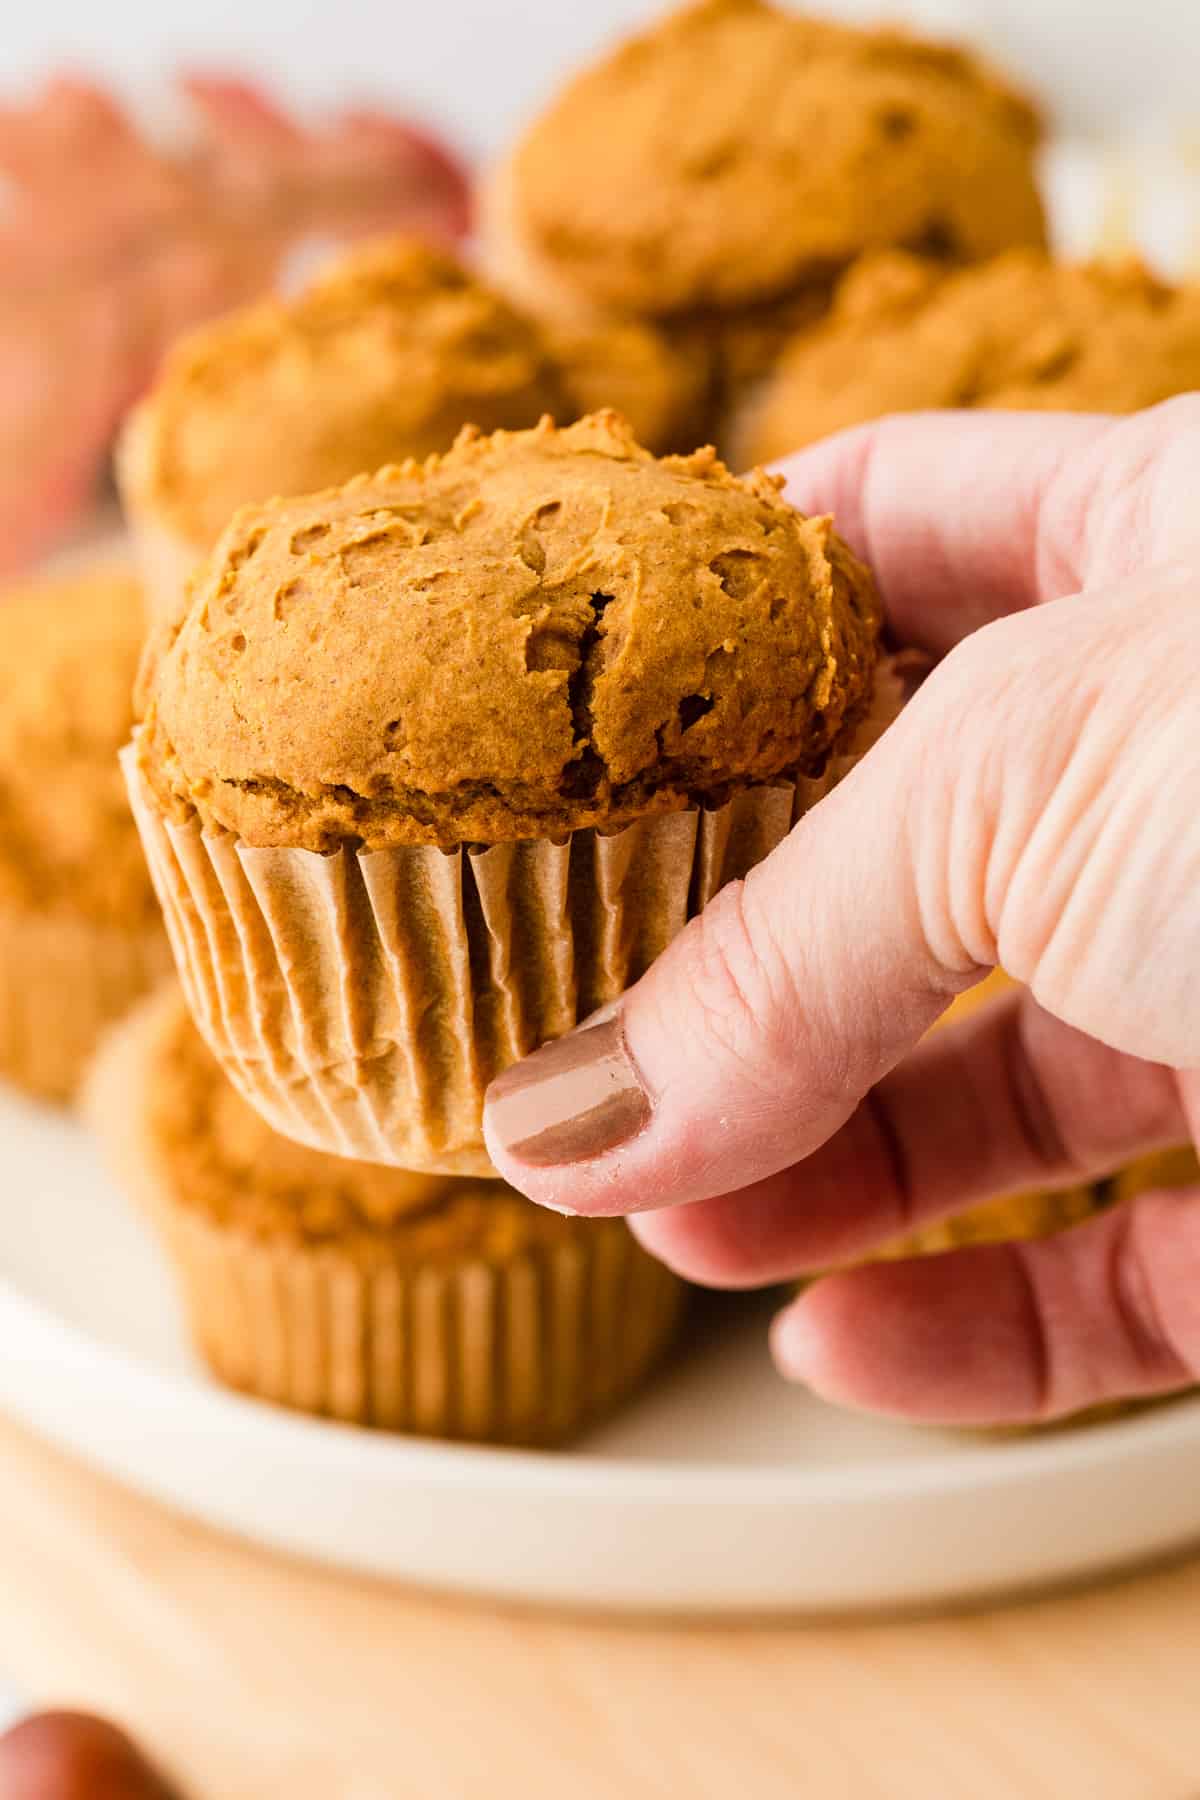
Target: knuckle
<point>736,980</point>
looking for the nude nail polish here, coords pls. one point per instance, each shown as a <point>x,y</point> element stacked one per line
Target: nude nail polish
<point>572,1100</point>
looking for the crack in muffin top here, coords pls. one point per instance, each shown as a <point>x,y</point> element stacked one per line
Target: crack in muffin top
<point>537,632</point>
<point>737,150</point>
<point>387,355</point>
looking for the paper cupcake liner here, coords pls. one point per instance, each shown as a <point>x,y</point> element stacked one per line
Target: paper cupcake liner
<point>362,1001</point>
<point>527,1351</point>
<point>63,982</point>
<point>524,1354</point>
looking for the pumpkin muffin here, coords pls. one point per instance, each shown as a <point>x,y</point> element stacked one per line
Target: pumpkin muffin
<point>662,387</point>
<point>440,760</point>
<point>1019,332</point>
<point>420,1303</point>
<point>80,933</point>
<point>385,356</point>
<point>734,158</point>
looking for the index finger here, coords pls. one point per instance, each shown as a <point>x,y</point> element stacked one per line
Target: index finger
<point>967,516</point>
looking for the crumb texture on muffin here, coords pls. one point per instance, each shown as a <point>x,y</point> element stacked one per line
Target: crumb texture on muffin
<point>537,632</point>
<point>387,355</point>
<point>781,147</point>
<point>1019,332</point>
<point>69,649</point>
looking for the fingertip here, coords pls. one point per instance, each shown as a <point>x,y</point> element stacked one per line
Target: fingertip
<point>699,1243</point>
<point>940,1340</point>
<point>956,549</point>
<point>815,1342</point>
<point>798,1347</point>
<point>658,1234</point>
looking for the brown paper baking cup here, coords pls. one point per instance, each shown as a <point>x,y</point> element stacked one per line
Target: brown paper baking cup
<point>524,1351</point>
<point>523,1354</point>
<point>63,982</point>
<point>362,1001</point>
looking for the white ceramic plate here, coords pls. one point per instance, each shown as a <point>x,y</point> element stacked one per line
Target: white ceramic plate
<point>722,1490</point>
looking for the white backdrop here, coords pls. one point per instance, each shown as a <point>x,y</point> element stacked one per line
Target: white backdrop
<point>481,65</point>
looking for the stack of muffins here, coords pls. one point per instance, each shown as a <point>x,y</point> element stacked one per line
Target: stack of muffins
<point>758,154</point>
<point>434,765</point>
<point>433,756</point>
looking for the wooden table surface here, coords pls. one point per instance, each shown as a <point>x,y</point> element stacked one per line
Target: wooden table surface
<point>251,1676</point>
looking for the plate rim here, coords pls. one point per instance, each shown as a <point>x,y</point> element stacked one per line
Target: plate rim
<point>563,1473</point>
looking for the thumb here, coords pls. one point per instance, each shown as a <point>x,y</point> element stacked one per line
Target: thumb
<point>1027,801</point>
<point>749,1040</point>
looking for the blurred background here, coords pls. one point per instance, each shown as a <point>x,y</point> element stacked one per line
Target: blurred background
<point>478,66</point>
<point>160,165</point>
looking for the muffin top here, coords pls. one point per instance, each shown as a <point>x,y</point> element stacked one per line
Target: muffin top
<point>661,385</point>
<point>222,1160</point>
<point>539,631</point>
<point>1020,331</point>
<point>69,651</point>
<point>778,148</point>
<point>387,356</point>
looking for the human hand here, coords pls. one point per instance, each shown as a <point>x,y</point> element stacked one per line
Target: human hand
<point>360,171</point>
<point>108,248</point>
<point>759,1099</point>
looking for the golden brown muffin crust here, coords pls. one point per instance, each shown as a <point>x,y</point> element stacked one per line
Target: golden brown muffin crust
<point>69,650</point>
<point>225,1162</point>
<point>537,632</point>
<point>778,148</point>
<point>661,383</point>
<point>1020,332</point>
<point>387,356</point>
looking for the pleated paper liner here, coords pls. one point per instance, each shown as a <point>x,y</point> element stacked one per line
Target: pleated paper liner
<point>63,982</point>
<point>524,1350</point>
<point>362,1001</point>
